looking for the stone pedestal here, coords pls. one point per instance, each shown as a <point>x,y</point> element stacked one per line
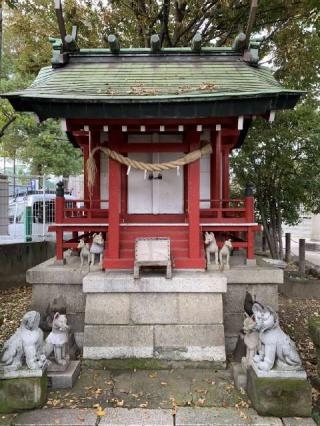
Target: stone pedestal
<point>22,389</point>
<point>314,330</point>
<point>64,379</point>
<point>239,376</point>
<point>279,393</point>
<point>177,320</point>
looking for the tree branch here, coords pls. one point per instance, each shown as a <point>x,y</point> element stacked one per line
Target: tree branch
<point>6,125</point>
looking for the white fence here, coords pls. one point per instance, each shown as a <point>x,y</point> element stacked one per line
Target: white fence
<point>27,206</point>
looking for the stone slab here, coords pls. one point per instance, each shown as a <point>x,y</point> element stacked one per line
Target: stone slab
<point>72,295</point>
<point>64,379</point>
<point>239,376</point>
<point>22,393</point>
<point>186,416</point>
<point>204,308</point>
<point>223,416</point>
<point>233,300</point>
<point>154,308</point>
<point>280,397</point>
<point>254,275</point>
<point>181,282</point>
<point>277,373</point>
<point>51,416</point>
<point>190,342</point>
<point>49,273</point>
<point>107,309</point>
<point>8,372</point>
<point>298,421</point>
<point>135,417</point>
<point>118,341</point>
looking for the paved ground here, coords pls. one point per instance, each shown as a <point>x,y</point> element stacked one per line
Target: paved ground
<point>134,398</point>
<point>144,417</point>
<point>150,389</point>
<point>303,230</point>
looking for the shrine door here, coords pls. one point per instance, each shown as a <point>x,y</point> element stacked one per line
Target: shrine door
<point>151,195</point>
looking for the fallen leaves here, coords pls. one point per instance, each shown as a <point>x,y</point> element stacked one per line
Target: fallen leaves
<point>14,304</point>
<point>100,411</point>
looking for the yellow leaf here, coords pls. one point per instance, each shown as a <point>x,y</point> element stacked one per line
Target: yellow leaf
<point>153,375</point>
<point>120,403</point>
<point>100,412</point>
<point>163,383</point>
<point>145,405</point>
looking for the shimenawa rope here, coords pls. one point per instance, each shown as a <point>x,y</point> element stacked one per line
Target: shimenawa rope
<point>140,165</point>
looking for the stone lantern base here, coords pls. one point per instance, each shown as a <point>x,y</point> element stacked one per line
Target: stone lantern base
<point>279,393</point>
<point>22,389</point>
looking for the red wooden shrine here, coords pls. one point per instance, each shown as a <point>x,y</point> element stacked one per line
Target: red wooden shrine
<point>155,105</point>
<point>224,216</point>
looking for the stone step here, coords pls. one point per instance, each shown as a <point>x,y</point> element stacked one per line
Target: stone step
<point>154,417</point>
<point>177,243</point>
<point>163,342</point>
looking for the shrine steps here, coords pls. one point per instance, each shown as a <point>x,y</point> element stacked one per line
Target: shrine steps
<point>179,237</point>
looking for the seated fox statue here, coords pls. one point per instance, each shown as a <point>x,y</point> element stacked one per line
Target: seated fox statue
<point>276,349</point>
<point>56,346</point>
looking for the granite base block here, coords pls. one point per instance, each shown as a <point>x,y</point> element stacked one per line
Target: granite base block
<point>279,396</point>
<point>64,379</point>
<point>239,376</point>
<point>22,393</point>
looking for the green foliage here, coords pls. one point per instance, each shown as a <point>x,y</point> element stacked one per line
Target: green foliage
<point>42,146</point>
<point>282,161</point>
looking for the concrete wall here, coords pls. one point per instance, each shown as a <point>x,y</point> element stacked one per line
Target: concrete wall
<point>16,258</point>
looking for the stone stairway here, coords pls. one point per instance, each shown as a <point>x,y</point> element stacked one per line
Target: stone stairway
<point>179,239</point>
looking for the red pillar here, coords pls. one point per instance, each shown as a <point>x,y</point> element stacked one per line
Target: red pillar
<point>113,253</point>
<point>225,174</point>
<point>124,192</point>
<point>193,137</point>
<point>85,150</point>
<point>216,169</point>
<point>95,141</point>
<point>59,213</point>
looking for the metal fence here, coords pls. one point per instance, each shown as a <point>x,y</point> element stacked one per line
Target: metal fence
<point>27,205</point>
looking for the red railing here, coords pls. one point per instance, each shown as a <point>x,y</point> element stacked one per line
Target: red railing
<point>228,210</point>
<point>80,210</point>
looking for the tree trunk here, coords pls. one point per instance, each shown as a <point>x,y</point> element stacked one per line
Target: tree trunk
<point>279,218</point>
<point>180,11</point>
<point>164,32</point>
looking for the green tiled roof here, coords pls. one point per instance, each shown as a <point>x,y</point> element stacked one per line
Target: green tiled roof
<point>135,80</point>
<point>174,77</point>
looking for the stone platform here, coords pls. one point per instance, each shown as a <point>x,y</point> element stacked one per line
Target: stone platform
<point>50,281</point>
<point>180,319</point>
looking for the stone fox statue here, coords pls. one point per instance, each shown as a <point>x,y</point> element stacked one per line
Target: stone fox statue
<point>57,341</point>
<point>276,347</point>
<point>211,247</point>
<point>25,344</point>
